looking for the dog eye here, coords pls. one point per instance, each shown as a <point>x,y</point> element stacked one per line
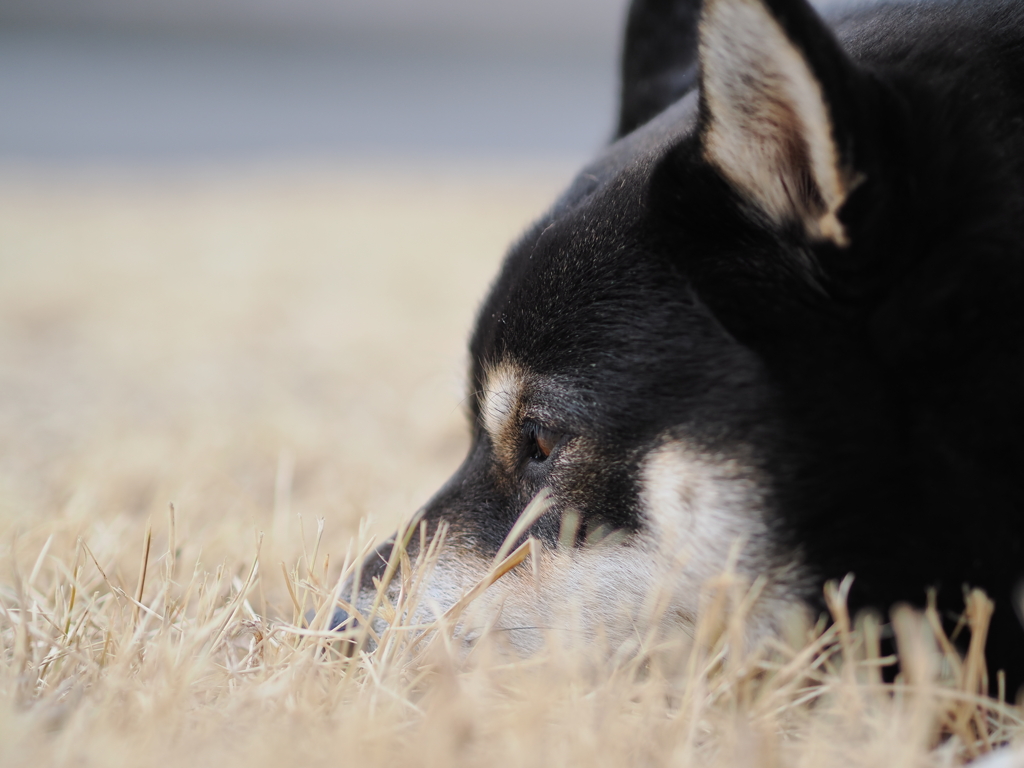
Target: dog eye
<point>542,441</point>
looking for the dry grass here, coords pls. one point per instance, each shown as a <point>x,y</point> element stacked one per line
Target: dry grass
<point>270,352</point>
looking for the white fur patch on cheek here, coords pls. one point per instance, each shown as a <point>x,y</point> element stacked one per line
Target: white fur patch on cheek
<point>705,515</point>
<point>697,507</point>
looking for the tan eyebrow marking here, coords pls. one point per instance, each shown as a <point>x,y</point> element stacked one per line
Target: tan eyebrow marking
<point>500,401</point>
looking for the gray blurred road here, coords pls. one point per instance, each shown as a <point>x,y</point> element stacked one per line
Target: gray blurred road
<point>93,96</point>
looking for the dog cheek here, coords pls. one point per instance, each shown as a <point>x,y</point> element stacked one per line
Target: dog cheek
<point>705,517</point>
<point>698,506</point>
<point>594,486</point>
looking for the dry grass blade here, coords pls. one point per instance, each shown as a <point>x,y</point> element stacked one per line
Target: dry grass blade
<point>116,670</point>
<point>498,570</point>
<point>143,567</point>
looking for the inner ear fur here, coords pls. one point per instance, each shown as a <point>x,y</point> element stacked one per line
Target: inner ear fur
<point>773,92</point>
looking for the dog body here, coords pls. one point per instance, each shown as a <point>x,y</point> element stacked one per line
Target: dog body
<point>775,328</point>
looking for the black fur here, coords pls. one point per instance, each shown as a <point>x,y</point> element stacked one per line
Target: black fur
<point>659,63</point>
<point>879,386</point>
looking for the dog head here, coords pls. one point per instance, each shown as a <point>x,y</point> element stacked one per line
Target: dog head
<point>641,359</point>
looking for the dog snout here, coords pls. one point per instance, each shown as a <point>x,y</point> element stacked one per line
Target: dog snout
<point>358,594</point>
<point>374,566</point>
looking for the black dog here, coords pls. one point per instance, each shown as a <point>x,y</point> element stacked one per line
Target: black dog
<point>777,325</point>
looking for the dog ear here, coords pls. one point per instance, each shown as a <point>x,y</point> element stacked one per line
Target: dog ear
<point>659,60</point>
<point>778,111</point>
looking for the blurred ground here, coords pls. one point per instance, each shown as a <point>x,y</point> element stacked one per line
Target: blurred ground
<point>252,346</point>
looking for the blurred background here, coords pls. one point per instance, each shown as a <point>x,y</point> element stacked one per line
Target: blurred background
<point>96,81</point>
<point>241,246</point>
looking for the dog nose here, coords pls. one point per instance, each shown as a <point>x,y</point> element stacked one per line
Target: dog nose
<point>341,620</point>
